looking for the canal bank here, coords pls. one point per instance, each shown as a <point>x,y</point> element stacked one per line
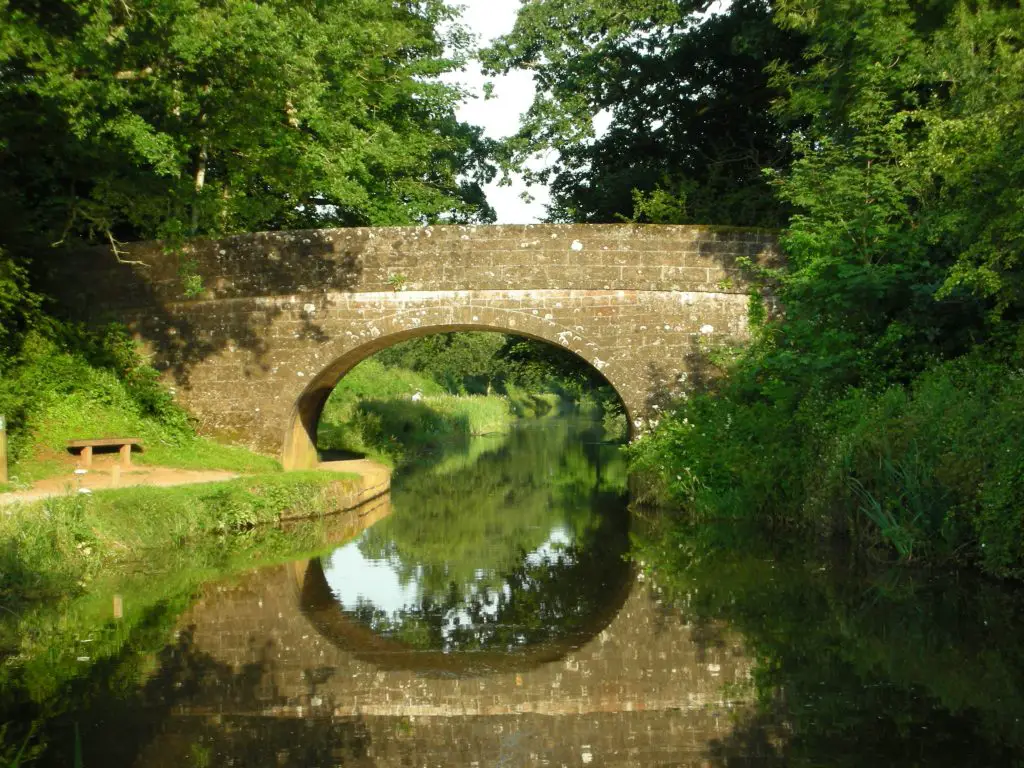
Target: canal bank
<point>53,548</point>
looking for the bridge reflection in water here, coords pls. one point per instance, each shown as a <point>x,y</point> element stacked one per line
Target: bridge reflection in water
<point>268,672</point>
<point>493,618</point>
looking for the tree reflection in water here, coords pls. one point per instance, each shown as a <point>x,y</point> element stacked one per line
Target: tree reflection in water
<point>525,545</point>
<point>857,664</point>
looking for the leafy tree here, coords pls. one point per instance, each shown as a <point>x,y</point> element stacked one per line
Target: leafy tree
<point>901,294</point>
<point>908,234</point>
<point>18,303</point>
<point>135,119</point>
<point>460,362</point>
<point>687,95</point>
<point>124,120</point>
<point>474,362</point>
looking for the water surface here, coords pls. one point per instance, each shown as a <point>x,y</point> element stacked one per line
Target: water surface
<point>502,608</point>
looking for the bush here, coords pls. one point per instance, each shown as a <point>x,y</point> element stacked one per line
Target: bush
<point>70,383</point>
<point>932,470</point>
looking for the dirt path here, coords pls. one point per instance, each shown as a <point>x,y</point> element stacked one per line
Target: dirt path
<point>103,477</point>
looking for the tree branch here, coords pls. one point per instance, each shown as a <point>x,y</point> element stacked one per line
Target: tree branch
<point>118,252</point>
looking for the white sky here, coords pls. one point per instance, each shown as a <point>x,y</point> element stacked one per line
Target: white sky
<point>499,116</point>
<point>513,94</point>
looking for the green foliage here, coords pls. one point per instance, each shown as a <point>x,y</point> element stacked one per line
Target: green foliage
<point>372,378</point>
<point>193,116</point>
<point>407,398</point>
<point>68,383</point>
<point>481,362</point>
<point>687,97</point>
<point>931,470</point>
<point>372,412</point>
<point>18,306</point>
<point>460,362</point>
<point>397,430</point>
<point>903,183</point>
<point>878,403</point>
<point>397,281</point>
<point>532,405</point>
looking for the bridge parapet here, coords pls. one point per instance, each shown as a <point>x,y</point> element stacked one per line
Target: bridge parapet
<point>441,258</point>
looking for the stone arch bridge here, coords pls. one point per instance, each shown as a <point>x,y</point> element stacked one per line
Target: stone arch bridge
<point>279,317</point>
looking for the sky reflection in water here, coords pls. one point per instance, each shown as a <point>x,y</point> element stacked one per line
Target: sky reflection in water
<point>526,545</point>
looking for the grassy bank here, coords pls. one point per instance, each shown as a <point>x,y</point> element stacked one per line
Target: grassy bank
<point>928,471</point>
<point>392,414</point>
<point>53,549</point>
<point>69,384</point>
<point>525,404</point>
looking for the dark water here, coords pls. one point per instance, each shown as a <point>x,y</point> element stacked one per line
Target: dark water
<point>490,613</point>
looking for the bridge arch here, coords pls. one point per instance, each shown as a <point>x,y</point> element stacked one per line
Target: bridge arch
<point>299,450</point>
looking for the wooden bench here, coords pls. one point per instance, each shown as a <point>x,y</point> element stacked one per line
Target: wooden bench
<point>124,444</point>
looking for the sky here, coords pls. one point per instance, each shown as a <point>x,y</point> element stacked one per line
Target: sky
<point>513,93</point>
<point>499,116</point>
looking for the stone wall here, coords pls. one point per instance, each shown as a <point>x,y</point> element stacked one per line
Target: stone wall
<point>281,317</point>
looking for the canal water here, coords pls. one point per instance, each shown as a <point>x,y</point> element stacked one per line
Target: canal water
<point>504,608</point>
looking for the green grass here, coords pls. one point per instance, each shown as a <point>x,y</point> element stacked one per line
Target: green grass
<point>532,405</point>
<point>475,414</point>
<point>82,414</point>
<point>54,548</point>
<point>396,430</point>
<point>85,387</point>
<point>372,379</point>
<point>372,412</point>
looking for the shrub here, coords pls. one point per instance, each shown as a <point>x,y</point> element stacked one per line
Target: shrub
<point>931,470</point>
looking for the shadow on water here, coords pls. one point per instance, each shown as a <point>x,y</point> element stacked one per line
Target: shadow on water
<point>139,727</point>
<point>856,665</point>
